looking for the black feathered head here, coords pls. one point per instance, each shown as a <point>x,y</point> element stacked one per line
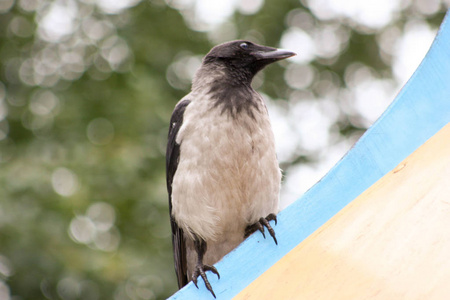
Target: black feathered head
<point>244,57</point>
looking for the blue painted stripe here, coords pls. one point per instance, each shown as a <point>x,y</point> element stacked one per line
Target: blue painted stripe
<point>420,110</point>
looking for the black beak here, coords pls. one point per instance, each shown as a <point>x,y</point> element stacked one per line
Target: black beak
<point>275,54</point>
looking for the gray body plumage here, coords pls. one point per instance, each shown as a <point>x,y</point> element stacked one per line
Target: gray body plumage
<point>223,173</point>
<point>227,175</point>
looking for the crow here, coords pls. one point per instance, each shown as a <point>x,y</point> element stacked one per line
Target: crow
<point>222,172</point>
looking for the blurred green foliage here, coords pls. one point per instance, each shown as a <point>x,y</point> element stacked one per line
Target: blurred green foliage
<point>86,94</point>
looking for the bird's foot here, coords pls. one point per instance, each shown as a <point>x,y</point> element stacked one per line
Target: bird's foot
<point>200,270</point>
<point>260,226</point>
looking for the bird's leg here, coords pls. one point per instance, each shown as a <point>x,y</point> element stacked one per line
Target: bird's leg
<point>200,268</point>
<point>260,226</point>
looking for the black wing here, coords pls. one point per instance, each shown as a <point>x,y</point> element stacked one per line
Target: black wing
<point>172,159</point>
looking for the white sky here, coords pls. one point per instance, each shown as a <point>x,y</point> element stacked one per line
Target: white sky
<point>308,122</point>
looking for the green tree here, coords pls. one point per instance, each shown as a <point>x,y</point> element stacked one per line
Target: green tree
<point>86,92</point>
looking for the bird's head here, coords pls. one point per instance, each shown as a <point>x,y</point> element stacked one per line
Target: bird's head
<point>243,59</point>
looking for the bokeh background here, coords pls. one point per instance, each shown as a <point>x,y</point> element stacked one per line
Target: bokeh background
<point>87,88</point>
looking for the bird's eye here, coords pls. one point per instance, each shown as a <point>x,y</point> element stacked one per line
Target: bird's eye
<point>244,46</point>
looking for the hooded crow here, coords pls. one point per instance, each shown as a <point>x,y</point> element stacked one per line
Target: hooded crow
<point>223,177</point>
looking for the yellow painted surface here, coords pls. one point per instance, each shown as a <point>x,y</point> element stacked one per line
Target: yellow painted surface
<point>392,242</point>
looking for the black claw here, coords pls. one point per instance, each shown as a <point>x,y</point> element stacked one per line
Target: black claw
<point>194,280</point>
<point>200,271</point>
<point>272,234</point>
<point>266,223</point>
<point>260,226</point>
<point>212,269</point>
<point>201,268</point>
<point>272,217</point>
